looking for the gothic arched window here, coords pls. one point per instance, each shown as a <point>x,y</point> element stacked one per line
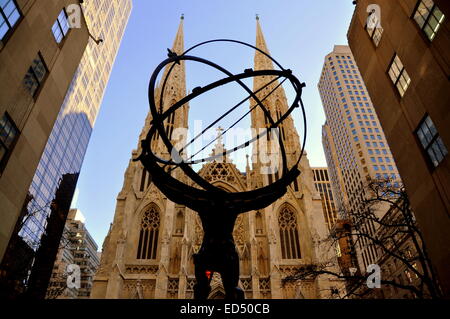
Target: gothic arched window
<point>290,243</point>
<point>148,236</point>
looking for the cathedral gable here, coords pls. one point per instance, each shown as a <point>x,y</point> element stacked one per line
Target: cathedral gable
<point>223,172</point>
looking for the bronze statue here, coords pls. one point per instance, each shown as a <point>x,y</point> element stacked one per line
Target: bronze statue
<point>217,208</point>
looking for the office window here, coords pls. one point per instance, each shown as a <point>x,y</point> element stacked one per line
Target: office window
<point>429,18</point>
<point>9,15</point>
<point>431,141</point>
<point>61,26</point>
<point>35,75</point>
<point>8,136</point>
<point>399,76</point>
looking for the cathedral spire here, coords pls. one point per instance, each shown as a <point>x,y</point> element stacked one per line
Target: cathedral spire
<point>276,102</point>
<point>261,61</point>
<point>175,88</point>
<point>178,43</point>
<point>176,85</point>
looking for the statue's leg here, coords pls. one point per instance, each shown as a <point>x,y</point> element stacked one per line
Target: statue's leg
<point>202,287</point>
<point>230,278</point>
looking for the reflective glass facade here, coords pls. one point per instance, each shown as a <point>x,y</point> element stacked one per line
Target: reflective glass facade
<point>70,136</point>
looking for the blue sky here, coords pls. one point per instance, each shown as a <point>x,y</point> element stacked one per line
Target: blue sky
<point>299,33</point>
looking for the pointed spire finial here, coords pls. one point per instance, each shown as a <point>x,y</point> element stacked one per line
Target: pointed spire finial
<point>260,42</point>
<point>219,135</point>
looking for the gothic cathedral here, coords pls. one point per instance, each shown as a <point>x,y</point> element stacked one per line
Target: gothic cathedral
<point>148,250</point>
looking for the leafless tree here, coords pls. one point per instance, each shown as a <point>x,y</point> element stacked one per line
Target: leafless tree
<point>57,286</point>
<point>18,259</point>
<point>386,222</point>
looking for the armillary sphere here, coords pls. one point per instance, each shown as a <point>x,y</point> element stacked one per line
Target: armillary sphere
<point>217,208</point>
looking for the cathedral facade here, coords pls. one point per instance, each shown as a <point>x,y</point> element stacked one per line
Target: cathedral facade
<point>149,247</point>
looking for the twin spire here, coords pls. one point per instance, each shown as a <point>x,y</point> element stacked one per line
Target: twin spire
<point>260,61</point>
<point>178,44</point>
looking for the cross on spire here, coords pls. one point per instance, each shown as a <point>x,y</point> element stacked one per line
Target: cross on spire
<point>219,135</point>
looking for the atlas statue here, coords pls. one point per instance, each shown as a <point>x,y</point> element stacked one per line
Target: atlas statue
<point>218,209</point>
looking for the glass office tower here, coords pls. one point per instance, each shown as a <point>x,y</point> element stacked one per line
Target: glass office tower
<point>69,139</point>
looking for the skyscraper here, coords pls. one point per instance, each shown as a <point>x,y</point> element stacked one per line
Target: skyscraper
<point>148,252</point>
<point>323,186</point>
<point>70,135</point>
<point>406,68</point>
<point>354,143</point>
<point>76,247</point>
<point>39,55</point>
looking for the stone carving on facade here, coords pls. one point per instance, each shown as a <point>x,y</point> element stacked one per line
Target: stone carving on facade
<point>138,289</point>
<point>264,287</point>
<point>289,270</point>
<point>172,288</point>
<point>246,284</point>
<point>165,238</point>
<point>239,234</point>
<point>198,235</point>
<point>272,237</point>
<point>140,269</point>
